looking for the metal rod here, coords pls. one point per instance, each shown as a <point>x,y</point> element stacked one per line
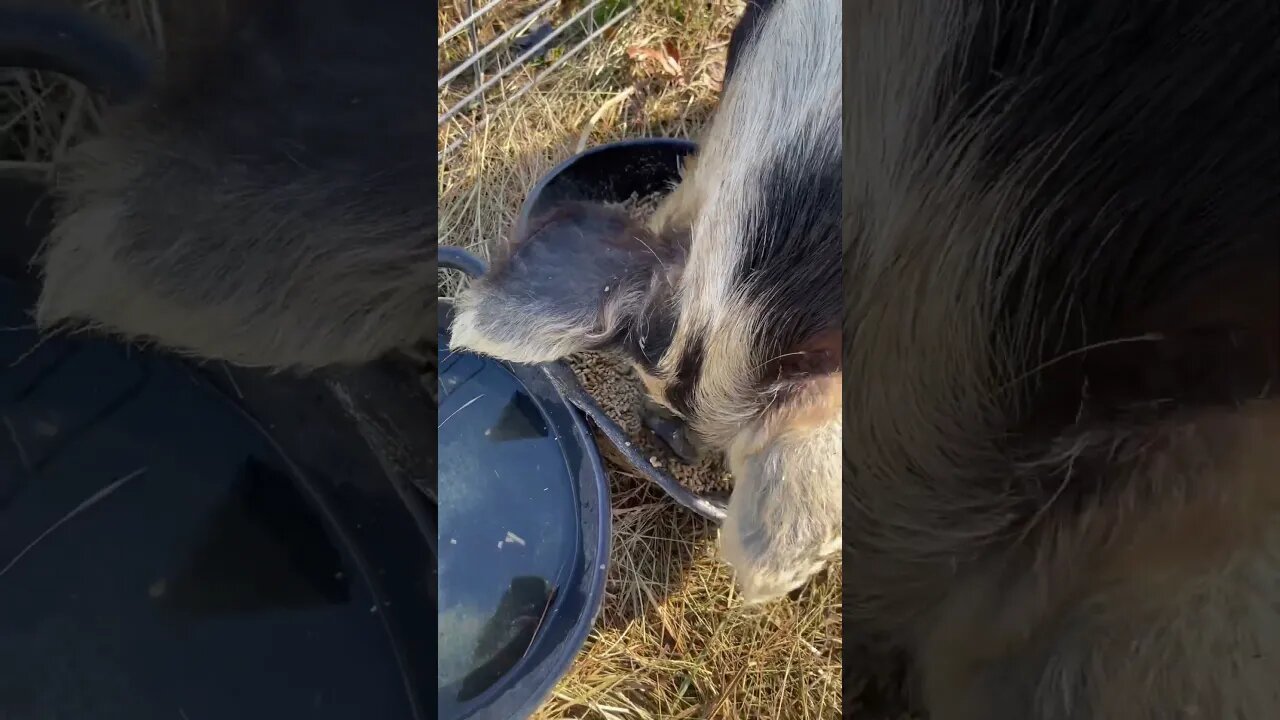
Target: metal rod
<point>475,94</point>
<point>518,27</point>
<point>537,79</point>
<point>467,21</point>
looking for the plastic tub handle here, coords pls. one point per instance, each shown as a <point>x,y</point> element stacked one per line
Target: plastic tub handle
<point>455,258</point>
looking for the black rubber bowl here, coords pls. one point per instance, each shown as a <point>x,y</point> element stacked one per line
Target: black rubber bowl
<point>524,530</point>
<point>524,499</point>
<point>609,173</point>
<point>613,173</point>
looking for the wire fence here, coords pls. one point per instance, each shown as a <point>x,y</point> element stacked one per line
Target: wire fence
<point>493,46</point>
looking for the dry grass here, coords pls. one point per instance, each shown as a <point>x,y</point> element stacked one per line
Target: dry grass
<point>43,114</point>
<point>673,640</point>
<point>484,182</point>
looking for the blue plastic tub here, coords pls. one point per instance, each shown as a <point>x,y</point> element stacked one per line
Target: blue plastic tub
<point>523,535</point>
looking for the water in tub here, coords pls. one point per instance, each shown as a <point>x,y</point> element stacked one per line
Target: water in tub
<point>508,523</point>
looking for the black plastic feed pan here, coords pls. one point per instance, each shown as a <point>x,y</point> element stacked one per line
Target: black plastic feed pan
<point>614,173</point>
<point>609,173</point>
<point>524,499</point>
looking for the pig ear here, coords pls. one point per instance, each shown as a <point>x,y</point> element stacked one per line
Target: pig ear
<point>574,282</point>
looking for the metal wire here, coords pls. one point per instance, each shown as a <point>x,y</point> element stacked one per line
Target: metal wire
<point>520,26</point>
<point>467,22</point>
<point>511,37</point>
<point>475,94</point>
<point>546,72</point>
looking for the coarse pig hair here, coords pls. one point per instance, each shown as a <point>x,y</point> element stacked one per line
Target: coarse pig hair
<point>1061,332</point>
<point>264,197</point>
<point>727,301</point>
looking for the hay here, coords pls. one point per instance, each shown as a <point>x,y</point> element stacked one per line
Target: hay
<point>673,639</point>
<point>42,115</point>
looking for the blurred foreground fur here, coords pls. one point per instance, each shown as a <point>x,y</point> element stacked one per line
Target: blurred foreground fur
<point>1062,325</point>
<point>266,200</point>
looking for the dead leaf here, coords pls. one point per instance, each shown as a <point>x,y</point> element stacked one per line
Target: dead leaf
<point>672,51</point>
<point>713,75</point>
<point>667,63</point>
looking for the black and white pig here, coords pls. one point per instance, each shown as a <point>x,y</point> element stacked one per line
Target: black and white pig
<point>727,303</point>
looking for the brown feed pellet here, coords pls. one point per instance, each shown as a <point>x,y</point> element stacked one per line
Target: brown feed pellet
<point>618,392</point>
